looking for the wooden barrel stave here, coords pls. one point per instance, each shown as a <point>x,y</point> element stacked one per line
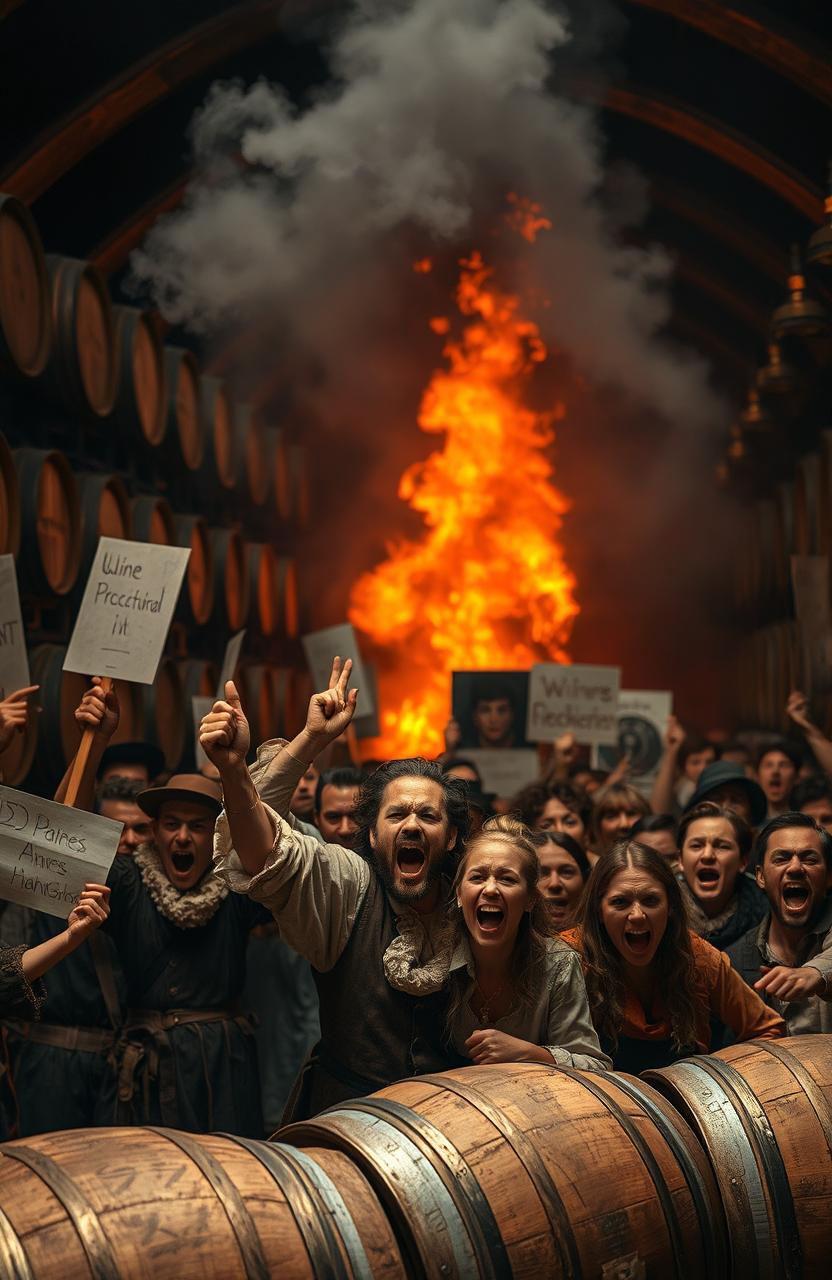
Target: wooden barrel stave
<point>231,579</point>
<point>156,1203</point>
<point>153,520</point>
<point>141,393</point>
<point>166,718</point>
<point>530,1138</point>
<point>25,315</point>
<point>83,370</point>
<point>9,502</point>
<point>50,549</point>
<point>222,453</point>
<point>196,600</point>
<point>184,415</point>
<point>256,466</point>
<point>763,1113</point>
<point>105,513</point>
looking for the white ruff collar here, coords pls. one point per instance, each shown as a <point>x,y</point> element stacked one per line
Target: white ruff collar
<point>189,908</point>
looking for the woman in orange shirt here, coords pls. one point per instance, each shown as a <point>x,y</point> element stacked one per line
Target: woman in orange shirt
<point>654,987</point>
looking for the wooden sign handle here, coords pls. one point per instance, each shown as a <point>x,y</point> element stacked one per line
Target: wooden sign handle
<point>82,757</point>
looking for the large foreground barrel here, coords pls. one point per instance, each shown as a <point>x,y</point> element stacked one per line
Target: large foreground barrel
<point>763,1112</point>
<point>520,1170</point>
<point>156,1204</point>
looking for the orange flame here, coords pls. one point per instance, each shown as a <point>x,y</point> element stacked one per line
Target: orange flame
<point>487,587</point>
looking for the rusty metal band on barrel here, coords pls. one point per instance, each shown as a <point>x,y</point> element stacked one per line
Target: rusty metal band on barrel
<point>90,1232</point>
<point>553,1206</point>
<point>239,1218</point>
<point>714,1256</point>
<point>334,1205</point>
<point>649,1160</point>
<point>463,1187</point>
<point>392,1161</point>
<point>770,1154</point>
<point>314,1227</point>
<point>13,1261</point>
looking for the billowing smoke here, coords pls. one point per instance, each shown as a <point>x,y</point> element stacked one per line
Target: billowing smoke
<point>300,229</point>
<point>435,110</point>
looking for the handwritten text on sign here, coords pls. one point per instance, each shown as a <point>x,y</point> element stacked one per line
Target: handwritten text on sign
<point>582,700</point>
<point>14,662</point>
<point>48,852</point>
<point>126,611</point>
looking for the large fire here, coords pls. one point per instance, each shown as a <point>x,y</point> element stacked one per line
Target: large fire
<point>487,587</point>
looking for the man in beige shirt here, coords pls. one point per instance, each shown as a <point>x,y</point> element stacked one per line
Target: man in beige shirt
<point>373,923</point>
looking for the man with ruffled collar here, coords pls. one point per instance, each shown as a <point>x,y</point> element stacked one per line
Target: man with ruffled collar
<point>186,1057</point>
<point>373,920</point>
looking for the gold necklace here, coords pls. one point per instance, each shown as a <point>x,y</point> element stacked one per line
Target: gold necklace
<point>485,1009</point>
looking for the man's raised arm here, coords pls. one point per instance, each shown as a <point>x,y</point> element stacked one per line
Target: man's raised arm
<point>224,737</point>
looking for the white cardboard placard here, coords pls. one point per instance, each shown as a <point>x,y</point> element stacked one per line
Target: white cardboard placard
<point>503,773</point>
<point>580,699</point>
<point>14,660</point>
<point>126,610</point>
<point>230,662</point>
<point>642,722</point>
<point>321,647</point>
<point>48,852</point>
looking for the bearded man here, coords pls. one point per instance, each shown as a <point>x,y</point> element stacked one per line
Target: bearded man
<point>372,921</point>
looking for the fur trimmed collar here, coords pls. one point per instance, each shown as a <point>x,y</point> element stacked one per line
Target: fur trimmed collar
<point>188,909</point>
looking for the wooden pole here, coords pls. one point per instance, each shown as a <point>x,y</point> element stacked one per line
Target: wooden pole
<point>82,757</point>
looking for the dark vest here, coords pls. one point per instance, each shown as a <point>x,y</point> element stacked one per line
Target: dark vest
<point>371,1034</point>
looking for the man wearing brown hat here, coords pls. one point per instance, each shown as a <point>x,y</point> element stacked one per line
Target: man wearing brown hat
<point>187,1057</point>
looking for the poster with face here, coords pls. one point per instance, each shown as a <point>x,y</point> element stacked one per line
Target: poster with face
<point>490,708</point>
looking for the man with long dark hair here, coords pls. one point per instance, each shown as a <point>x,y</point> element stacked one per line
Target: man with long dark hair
<point>369,919</point>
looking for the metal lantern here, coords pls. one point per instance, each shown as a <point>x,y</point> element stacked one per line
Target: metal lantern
<point>778,377</point>
<point>819,248</point>
<point>799,316</point>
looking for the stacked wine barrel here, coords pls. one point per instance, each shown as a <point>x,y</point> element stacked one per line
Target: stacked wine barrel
<point>796,519</point>
<point>108,430</point>
<point>715,1167</point>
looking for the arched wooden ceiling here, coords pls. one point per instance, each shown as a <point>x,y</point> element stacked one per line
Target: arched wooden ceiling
<point>731,184</point>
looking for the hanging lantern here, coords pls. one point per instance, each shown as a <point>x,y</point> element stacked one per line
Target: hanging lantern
<point>778,377</point>
<point>800,316</point>
<point>819,248</point>
<point>755,417</point>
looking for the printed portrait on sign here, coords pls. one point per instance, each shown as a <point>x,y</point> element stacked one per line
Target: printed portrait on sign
<point>490,708</point>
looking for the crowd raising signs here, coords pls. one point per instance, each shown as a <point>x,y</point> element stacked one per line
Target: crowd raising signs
<point>48,852</point>
<point>126,611</point>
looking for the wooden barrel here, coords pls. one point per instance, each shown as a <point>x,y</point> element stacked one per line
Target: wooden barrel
<point>50,545</point>
<point>141,395</point>
<point>199,679</point>
<point>153,520</point>
<point>167,720</point>
<point>299,486</point>
<point>196,600</point>
<point>222,454</point>
<point>139,1203</point>
<point>260,696</point>
<point>184,417</point>
<point>525,1171</point>
<point>9,502</point>
<point>256,464</point>
<point>83,369</point>
<point>277,449</point>
<point>25,314</point>
<point>763,1113</point>
<point>287,593</point>
<point>231,584</point>
<point>105,512</point>
<point>60,693</point>
<point>264,609</point>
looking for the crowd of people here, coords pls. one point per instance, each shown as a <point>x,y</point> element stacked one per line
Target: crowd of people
<point>275,937</point>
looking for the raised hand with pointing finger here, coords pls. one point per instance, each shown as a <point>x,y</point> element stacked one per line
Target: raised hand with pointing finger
<point>224,733</point>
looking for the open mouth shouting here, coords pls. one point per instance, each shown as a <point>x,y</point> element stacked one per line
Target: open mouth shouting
<point>796,897</point>
<point>490,917</point>
<point>182,863</point>
<point>411,860</point>
<point>708,879</point>
<point>637,941</point>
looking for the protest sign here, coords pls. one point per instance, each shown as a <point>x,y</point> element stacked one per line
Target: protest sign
<point>582,700</point>
<point>642,721</point>
<point>200,706</point>
<point>14,660</point>
<point>490,708</point>
<point>321,647</point>
<point>368,725</point>
<point>48,852</point>
<point>504,773</point>
<point>230,661</point>
<point>126,610</point>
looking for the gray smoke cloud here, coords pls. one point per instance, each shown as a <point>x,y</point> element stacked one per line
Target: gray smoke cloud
<point>436,109</point>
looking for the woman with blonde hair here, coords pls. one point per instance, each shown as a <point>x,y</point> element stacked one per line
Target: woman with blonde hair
<point>616,807</point>
<point>516,992</point>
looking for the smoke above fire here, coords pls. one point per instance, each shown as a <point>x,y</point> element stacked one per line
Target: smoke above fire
<point>435,109</point>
